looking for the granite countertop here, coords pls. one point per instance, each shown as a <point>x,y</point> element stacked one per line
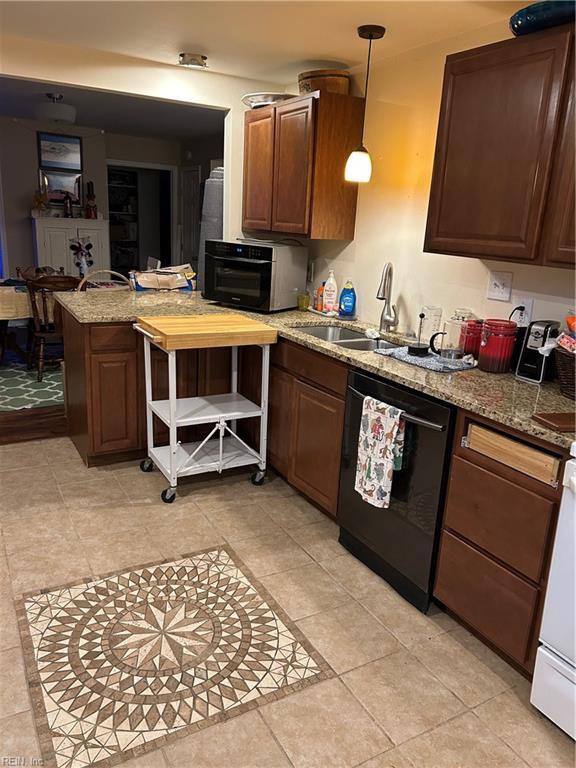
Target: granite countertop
<point>499,397</point>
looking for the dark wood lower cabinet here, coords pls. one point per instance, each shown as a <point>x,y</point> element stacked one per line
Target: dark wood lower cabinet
<point>497,536</point>
<point>114,402</point>
<point>105,392</point>
<point>493,600</point>
<point>318,421</point>
<point>280,420</point>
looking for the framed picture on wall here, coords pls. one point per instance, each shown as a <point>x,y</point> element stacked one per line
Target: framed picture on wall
<point>57,183</point>
<point>58,151</point>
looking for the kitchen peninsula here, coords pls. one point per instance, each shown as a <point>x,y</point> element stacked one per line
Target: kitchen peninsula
<point>104,373</point>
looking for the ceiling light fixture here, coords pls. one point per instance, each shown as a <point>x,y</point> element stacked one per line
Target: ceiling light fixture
<point>193,60</point>
<point>359,163</point>
<point>55,110</point>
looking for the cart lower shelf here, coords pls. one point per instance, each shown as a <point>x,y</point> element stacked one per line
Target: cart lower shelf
<point>234,454</point>
<point>207,409</point>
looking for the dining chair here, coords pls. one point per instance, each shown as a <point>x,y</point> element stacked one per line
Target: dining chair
<point>46,328</point>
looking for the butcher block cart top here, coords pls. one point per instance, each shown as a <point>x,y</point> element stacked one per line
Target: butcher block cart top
<point>217,330</point>
<point>222,448</point>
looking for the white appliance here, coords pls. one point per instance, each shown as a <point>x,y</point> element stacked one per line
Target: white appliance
<point>554,683</point>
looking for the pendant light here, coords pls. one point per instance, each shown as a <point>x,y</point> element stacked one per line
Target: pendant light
<point>359,163</point>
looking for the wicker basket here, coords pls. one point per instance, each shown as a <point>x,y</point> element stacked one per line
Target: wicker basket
<point>566,372</point>
<point>325,81</point>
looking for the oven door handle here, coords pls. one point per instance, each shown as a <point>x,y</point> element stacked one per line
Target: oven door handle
<point>408,417</point>
<point>235,259</point>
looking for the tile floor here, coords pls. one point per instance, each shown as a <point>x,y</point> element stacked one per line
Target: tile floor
<point>411,691</point>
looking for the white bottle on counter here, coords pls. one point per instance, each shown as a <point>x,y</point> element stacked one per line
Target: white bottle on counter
<point>330,303</point>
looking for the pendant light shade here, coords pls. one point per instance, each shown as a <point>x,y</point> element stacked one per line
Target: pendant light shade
<point>359,164</point>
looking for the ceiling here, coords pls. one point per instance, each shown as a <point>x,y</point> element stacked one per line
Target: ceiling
<point>270,41</point>
<point>115,113</point>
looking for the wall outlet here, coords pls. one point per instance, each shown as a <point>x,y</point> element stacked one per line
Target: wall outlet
<point>523,318</point>
<point>499,286</point>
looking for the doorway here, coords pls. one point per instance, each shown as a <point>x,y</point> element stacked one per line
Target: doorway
<point>141,209</point>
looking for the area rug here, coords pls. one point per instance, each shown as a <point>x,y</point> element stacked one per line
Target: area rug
<point>128,662</point>
<point>19,388</point>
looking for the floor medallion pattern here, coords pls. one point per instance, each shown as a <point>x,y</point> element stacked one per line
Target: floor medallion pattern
<point>119,665</point>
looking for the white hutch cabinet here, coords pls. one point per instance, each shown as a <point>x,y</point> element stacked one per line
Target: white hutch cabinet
<point>52,242</point>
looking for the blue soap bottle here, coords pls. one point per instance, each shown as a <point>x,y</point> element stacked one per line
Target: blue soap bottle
<point>347,302</point>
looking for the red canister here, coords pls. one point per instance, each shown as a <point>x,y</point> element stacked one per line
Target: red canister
<point>497,345</point>
<point>471,336</point>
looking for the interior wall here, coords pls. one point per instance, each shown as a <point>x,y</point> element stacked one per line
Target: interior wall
<point>142,149</point>
<point>202,151</point>
<point>74,65</point>
<point>401,122</point>
<point>19,179</point>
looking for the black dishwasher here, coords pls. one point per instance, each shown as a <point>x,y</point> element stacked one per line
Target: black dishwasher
<point>400,542</point>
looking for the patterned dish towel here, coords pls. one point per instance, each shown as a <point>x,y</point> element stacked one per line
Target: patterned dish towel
<point>380,447</point>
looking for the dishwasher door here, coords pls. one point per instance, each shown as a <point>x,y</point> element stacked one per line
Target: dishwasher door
<point>399,542</point>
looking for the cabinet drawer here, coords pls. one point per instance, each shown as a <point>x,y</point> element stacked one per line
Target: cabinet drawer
<point>486,595</point>
<point>508,521</point>
<point>312,366</point>
<point>112,338</point>
<point>514,454</point>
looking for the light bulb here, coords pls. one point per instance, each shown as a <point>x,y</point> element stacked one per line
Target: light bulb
<point>358,166</point>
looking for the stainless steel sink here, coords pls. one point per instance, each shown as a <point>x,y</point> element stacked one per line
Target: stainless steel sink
<point>333,333</point>
<point>368,345</point>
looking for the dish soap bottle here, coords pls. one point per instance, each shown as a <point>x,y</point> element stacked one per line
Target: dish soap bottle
<point>347,303</point>
<point>330,303</point>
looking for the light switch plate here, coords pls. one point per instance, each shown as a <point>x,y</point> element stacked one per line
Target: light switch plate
<point>499,286</point>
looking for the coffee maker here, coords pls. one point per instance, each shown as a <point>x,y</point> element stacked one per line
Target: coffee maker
<point>532,366</point>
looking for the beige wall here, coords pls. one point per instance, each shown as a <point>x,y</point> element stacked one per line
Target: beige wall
<point>402,117</point>
<point>19,179</point>
<point>141,149</point>
<point>201,151</point>
<point>90,68</point>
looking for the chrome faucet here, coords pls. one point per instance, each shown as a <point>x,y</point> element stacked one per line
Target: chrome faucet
<point>389,316</point>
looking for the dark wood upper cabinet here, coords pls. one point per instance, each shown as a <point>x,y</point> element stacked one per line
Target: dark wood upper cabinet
<point>558,246</point>
<point>293,146</point>
<point>258,168</point>
<point>294,159</point>
<point>501,109</point>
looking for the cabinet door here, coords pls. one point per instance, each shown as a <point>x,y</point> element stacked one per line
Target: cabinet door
<point>492,599</point>
<point>56,252</point>
<point>99,239</point>
<point>498,122</point>
<point>114,381</point>
<point>317,425</point>
<point>558,246</point>
<point>293,152</point>
<point>280,419</point>
<point>258,168</point>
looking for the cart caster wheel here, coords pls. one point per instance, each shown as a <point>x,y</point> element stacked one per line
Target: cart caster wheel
<point>258,477</point>
<point>147,465</point>
<point>168,495</point>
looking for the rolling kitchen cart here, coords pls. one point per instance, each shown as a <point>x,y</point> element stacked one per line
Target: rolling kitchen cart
<point>222,448</point>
